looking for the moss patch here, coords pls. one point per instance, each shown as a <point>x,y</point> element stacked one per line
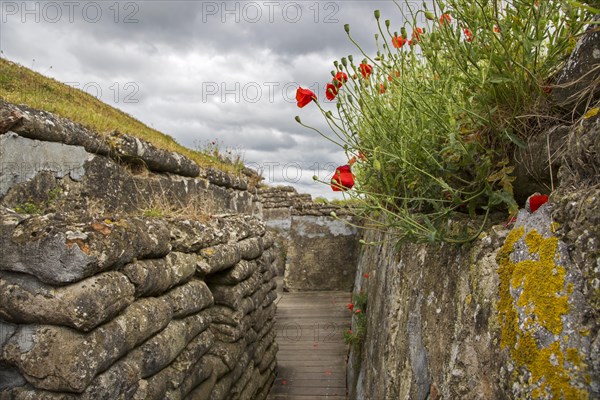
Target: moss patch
<point>542,294</point>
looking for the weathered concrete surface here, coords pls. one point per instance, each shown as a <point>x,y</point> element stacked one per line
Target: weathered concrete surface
<point>53,164</point>
<point>45,126</point>
<point>430,317</point>
<point>322,254</point>
<point>132,149</point>
<point>21,159</point>
<point>104,264</point>
<point>285,211</point>
<point>125,345</point>
<point>57,251</point>
<point>82,305</point>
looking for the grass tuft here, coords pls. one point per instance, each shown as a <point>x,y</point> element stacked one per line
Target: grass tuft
<point>20,85</point>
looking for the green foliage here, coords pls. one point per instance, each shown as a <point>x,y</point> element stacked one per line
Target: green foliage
<point>28,208</point>
<point>321,200</point>
<point>357,336</point>
<point>233,157</point>
<point>437,121</point>
<point>54,194</point>
<point>153,213</point>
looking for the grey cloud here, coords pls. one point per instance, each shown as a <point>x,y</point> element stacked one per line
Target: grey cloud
<point>173,49</point>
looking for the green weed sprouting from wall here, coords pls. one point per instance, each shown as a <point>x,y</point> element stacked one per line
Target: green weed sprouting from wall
<point>356,336</point>
<point>430,122</point>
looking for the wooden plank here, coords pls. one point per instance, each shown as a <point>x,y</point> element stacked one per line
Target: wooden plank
<point>298,397</point>
<point>311,362</point>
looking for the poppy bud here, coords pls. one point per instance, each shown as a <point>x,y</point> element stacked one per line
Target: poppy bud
<point>403,31</point>
<point>344,62</point>
<point>429,15</point>
<point>376,36</point>
<point>297,118</point>
<point>362,241</point>
<point>387,23</point>
<point>335,63</point>
<point>333,214</point>
<point>332,73</point>
<point>315,178</point>
<point>347,28</point>
<point>377,14</point>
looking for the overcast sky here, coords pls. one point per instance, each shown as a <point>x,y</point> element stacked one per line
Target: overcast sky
<point>204,70</point>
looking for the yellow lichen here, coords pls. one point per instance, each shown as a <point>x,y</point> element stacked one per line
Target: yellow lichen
<point>533,240</point>
<point>542,281</point>
<point>544,299</point>
<point>508,316</point>
<point>574,358</point>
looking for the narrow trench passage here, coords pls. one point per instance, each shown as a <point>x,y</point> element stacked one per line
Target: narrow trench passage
<point>311,362</point>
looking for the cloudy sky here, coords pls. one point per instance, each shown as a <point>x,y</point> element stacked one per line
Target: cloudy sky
<point>204,70</point>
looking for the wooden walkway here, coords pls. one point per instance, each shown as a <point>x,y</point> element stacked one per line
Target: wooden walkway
<point>311,362</point>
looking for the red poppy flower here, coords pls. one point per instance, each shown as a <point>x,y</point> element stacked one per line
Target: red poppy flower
<point>331,91</point>
<point>366,275</point>
<point>350,306</point>
<point>349,331</point>
<point>496,29</point>
<point>410,42</point>
<point>416,35</point>
<point>304,96</point>
<point>352,161</point>
<point>342,179</point>
<point>468,34</point>
<point>398,42</point>
<point>366,70</point>
<point>340,78</point>
<point>361,156</point>
<point>396,73</point>
<point>535,201</point>
<point>445,18</point>
<point>381,88</point>
<point>357,311</point>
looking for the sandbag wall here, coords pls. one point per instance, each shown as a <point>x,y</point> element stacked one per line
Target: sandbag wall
<point>318,242</point>
<point>100,299</point>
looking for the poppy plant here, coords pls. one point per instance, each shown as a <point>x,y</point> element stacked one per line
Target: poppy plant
<point>304,96</point>
<point>340,78</point>
<point>416,35</point>
<point>390,78</point>
<point>398,42</point>
<point>331,91</point>
<point>535,201</point>
<point>468,34</point>
<point>366,70</point>
<point>342,179</point>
